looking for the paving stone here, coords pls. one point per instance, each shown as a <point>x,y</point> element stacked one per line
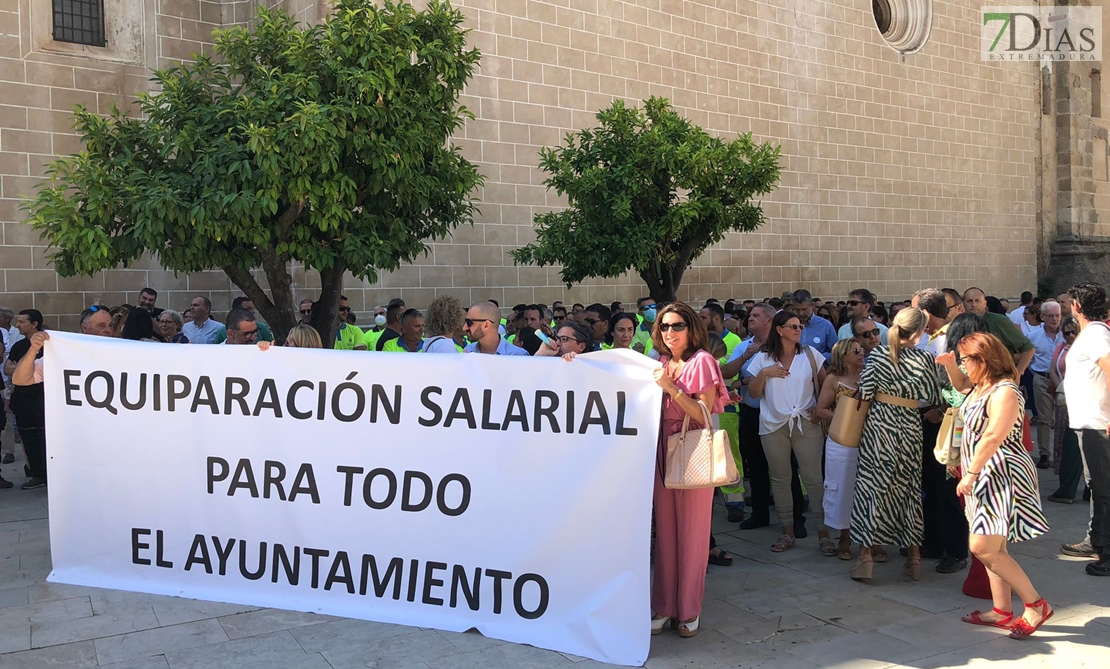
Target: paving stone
<point>265,621</point>
<point>67,656</point>
<point>15,638</point>
<point>712,651</point>
<point>17,596</point>
<point>177,610</point>
<point>279,649</point>
<point>869,650</point>
<point>56,632</point>
<point>159,641</point>
<point>860,614</point>
<point>62,609</point>
<point>468,641</point>
<point>45,592</point>
<point>406,650</point>
<point>326,636</point>
<point>152,662</point>
<point>506,655</point>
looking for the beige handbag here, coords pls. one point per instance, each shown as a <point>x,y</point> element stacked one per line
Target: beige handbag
<point>950,438</point>
<point>849,416</point>
<point>701,459</point>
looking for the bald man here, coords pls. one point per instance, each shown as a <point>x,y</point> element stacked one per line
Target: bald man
<point>1044,337</point>
<point>482,321</point>
<point>975,302</point>
<point>1065,305</point>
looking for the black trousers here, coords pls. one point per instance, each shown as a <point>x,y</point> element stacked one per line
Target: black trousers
<point>34,445</point>
<point>758,472</point>
<point>1096,448</point>
<point>945,523</point>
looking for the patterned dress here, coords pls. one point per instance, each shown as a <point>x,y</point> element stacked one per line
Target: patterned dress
<point>887,507</point>
<point>1005,500</point>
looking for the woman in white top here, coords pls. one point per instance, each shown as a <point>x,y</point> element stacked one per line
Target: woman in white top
<point>842,380</point>
<point>786,375</point>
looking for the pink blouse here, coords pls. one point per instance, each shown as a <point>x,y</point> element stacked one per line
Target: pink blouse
<point>700,373</point>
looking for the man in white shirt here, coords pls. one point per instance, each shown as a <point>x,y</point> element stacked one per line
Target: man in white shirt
<point>1018,315</point>
<point>1044,338</point>
<point>202,329</point>
<point>1087,389</point>
<point>860,302</point>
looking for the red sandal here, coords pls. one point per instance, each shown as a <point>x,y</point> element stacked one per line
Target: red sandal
<point>1021,629</point>
<point>976,618</point>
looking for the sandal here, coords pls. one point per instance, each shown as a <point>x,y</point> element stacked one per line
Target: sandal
<point>783,544</point>
<point>687,630</point>
<point>828,548</point>
<point>976,618</point>
<point>878,553</point>
<point>844,550</point>
<point>721,559</point>
<point>1023,629</point>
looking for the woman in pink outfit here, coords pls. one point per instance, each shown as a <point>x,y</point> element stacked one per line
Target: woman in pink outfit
<point>689,375</point>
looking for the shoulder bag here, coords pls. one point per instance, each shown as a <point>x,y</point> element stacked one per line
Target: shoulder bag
<point>816,388</point>
<point>950,439</point>
<point>701,459</point>
<point>849,416</point>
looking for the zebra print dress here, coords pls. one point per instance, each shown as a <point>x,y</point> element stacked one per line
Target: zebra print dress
<point>1005,500</point>
<point>887,508</point>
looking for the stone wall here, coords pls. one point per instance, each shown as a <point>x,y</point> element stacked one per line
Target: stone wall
<point>898,171</point>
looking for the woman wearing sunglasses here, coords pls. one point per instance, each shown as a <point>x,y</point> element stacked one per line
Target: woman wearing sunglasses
<point>786,376</point>
<point>689,376</point>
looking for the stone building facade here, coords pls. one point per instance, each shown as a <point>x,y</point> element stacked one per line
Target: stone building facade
<point>902,167</point>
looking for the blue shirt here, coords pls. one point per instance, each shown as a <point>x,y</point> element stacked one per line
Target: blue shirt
<point>504,348</point>
<point>205,334</point>
<point>820,334</point>
<point>744,374</point>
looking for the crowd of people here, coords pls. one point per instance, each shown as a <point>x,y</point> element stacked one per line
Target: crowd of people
<point>1029,386</point>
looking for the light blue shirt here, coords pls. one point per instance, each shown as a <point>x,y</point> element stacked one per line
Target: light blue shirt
<point>1044,347</point>
<point>820,334</point>
<point>504,348</point>
<point>205,334</point>
<point>744,374</point>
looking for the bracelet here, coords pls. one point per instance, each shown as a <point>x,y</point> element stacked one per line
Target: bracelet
<point>676,394</point>
<point>975,474</point>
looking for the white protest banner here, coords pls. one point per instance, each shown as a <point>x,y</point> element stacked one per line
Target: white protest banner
<point>508,494</point>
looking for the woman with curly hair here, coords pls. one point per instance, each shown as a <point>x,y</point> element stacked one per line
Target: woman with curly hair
<point>443,325</point>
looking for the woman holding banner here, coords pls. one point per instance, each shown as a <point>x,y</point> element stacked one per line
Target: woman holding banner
<point>689,376</point>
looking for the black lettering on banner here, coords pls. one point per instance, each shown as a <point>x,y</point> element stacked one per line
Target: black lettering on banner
<point>274,475</point>
<point>292,571</point>
<point>205,395</point>
<point>622,407</point>
<point>157,392</point>
<point>334,576</point>
<point>470,591</point>
<point>379,398</point>
<point>516,413</point>
<point>487,400</point>
<point>137,546</point>
<point>414,566</point>
<point>570,412</point>
<point>215,474</point>
<point>243,478</point>
<point>498,576</point>
<point>236,390</point>
<point>291,400</point>
<point>367,495</point>
<point>429,403</point>
<point>159,544</point>
<point>68,374</point>
<point>518,599</point>
<point>594,404</point>
<point>268,399</point>
<point>392,572</point>
<point>348,481</point>
<point>545,410</point>
<point>247,574</point>
<point>316,554</point>
<point>132,406</point>
<point>406,491</point>
<point>222,553</point>
<point>198,554</point>
<point>430,581</point>
<point>109,392</point>
<point>360,400</point>
<point>322,401</point>
<point>183,387</point>
<point>466,412</point>
<point>441,495</point>
<point>305,484</point>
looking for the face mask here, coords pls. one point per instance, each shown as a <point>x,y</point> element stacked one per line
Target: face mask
<point>649,315</point>
<point>379,320</point>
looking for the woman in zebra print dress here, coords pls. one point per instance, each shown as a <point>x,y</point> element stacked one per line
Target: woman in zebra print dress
<point>887,508</point>
<point>999,485</point>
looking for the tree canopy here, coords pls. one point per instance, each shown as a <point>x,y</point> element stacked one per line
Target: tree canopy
<point>328,145</point>
<point>648,191</point>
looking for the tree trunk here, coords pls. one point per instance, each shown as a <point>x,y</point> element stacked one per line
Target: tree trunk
<point>661,290</point>
<point>280,319</point>
<point>325,315</point>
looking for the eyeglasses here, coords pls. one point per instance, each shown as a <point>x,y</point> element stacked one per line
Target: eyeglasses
<point>870,333</point>
<point>677,327</point>
<point>952,306</point>
<point>471,321</point>
<point>165,320</point>
<point>564,339</point>
<point>253,334</point>
<point>793,326</point>
<point>591,321</point>
<point>977,359</point>
<point>646,307</point>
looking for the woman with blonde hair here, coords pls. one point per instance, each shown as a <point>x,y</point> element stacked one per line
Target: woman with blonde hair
<point>887,507</point>
<point>999,484</point>
<point>443,325</point>
<point>303,336</point>
<point>842,379</point>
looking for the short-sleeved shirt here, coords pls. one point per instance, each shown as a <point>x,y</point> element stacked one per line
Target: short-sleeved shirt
<point>384,336</point>
<point>503,348</point>
<point>441,344</point>
<point>790,400</point>
<point>1045,346</point>
<point>820,335</point>
<point>700,373</point>
<point>203,334</point>
<point>28,402</point>
<point>737,352</point>
<point>397,345</point>
<point>1012,338</point>
<point>348,337</point>
<point>643,337</point>
<point>264,334</point>
<point>1085,383</point>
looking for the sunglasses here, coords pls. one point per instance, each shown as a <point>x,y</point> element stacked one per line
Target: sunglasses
<point>344,309</point>
<point>306,312</point>
<point>1070,333</point>
<point>677,327</point>
<point>853,303</point>
<point>870,333</point>
<point>857,351</point>
<point>472,321</point>
<point>647,306</point>
<point>592,321</point>
<point>793,326</point>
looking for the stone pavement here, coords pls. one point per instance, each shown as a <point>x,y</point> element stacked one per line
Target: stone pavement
<point>795,609</point>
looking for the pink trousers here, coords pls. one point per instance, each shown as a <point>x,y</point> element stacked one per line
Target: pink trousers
<point>683,520</point>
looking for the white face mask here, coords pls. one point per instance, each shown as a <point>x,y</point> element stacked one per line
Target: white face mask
<point>379,320</point>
